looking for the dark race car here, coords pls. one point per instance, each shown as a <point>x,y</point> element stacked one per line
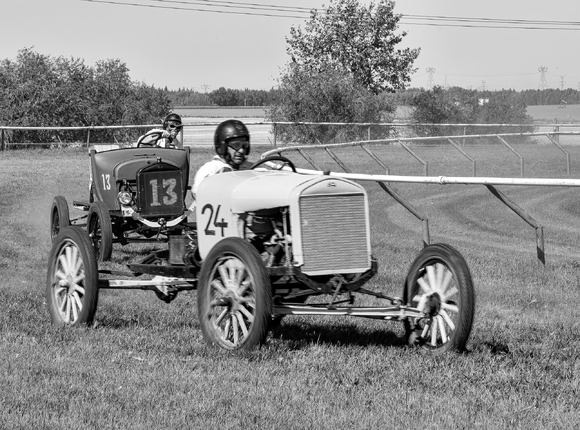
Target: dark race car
<point>136,194</point>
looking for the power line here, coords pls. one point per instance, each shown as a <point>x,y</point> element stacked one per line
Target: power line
<point>507,27</point>
<point>238,5</point>
<point>283,11</point>
<point>193,9</point>
<point>291,8</point>
<point>492,20</point>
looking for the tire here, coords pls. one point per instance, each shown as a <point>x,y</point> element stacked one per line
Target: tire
<point>59,216</point>
<point>439,283</point>
<point>234,296</point>
<point>72,285</point>
<point>100,230</point>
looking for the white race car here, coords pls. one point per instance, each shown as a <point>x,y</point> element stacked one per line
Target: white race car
<point>267,240</point>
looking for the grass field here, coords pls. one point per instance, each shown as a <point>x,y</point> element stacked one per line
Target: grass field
<point>144,364</point>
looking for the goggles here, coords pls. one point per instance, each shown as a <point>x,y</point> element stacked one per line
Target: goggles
<point>173,126</point>
<point>239,144</point>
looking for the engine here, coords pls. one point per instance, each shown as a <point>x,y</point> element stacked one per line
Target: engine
<point>268,230</point>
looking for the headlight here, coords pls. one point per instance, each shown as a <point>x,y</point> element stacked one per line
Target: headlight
<point>125,198</point>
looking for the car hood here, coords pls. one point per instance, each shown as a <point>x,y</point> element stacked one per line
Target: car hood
<point>254,190</point>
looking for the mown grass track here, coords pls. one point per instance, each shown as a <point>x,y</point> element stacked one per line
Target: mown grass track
<point>144,363</point>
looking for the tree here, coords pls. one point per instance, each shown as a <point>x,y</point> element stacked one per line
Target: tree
<point>343,65</point>
<point>356,39</point>
<point>225,97</point>
<point>327,96</point>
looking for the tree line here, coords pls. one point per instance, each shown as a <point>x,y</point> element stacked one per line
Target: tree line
<point>404,97</point>
<point>222,97</point>
<point>42,91</point>
<point>548,96</point>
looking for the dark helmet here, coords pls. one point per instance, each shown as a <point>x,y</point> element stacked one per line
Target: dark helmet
<point>171,117</point>
<point>227,130</point>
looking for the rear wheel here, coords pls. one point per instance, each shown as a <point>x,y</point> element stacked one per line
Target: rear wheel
<point>100,230</point>
<point>439,284</point>
<point>72,288</point>
<point>59,216</point>
<point>234,296</point>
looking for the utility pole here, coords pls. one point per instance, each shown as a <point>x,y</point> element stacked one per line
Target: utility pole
<point>430,80</point>
<point>561,82</point>
<point>543,83</point>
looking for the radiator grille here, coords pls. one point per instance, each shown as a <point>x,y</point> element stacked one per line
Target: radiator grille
<point>334,233</point>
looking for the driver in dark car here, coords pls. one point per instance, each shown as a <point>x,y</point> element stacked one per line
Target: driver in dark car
<point>232,146</point>
<point>171,128</point>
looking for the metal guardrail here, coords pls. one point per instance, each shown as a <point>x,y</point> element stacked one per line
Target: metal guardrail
<point>488,182</point>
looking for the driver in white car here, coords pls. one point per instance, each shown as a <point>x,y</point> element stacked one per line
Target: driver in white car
<point>232,146</point>
<point>171,128</point>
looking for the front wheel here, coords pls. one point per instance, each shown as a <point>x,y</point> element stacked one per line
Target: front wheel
<point>100,230</point>
<point>234,296</point>
<point>439,285</point>
<point>59,216</point>
<point>72,287</point>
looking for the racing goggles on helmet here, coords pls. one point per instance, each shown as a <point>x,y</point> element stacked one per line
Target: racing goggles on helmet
<point>237,144</point>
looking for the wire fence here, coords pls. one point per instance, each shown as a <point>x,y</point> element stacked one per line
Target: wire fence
<point>277,134</point>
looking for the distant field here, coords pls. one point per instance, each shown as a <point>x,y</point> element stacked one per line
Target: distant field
<point>221,112</point>
<point>548,113</point>
<point>554,113</point>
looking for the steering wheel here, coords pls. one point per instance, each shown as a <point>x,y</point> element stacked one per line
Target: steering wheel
<point>150,139</point>
<point>285,161</point>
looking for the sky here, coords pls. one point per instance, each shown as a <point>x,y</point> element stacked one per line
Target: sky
<point>166,46</point>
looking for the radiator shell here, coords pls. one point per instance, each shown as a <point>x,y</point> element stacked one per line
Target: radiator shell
<point>330,227</point>
<point>334,234</point>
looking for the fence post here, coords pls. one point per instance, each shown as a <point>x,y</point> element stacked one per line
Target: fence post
<point>369,133</point>
<point>2,147</point>
<point>275,146</point>
<point>88,137</point>
<point>557,130</point>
